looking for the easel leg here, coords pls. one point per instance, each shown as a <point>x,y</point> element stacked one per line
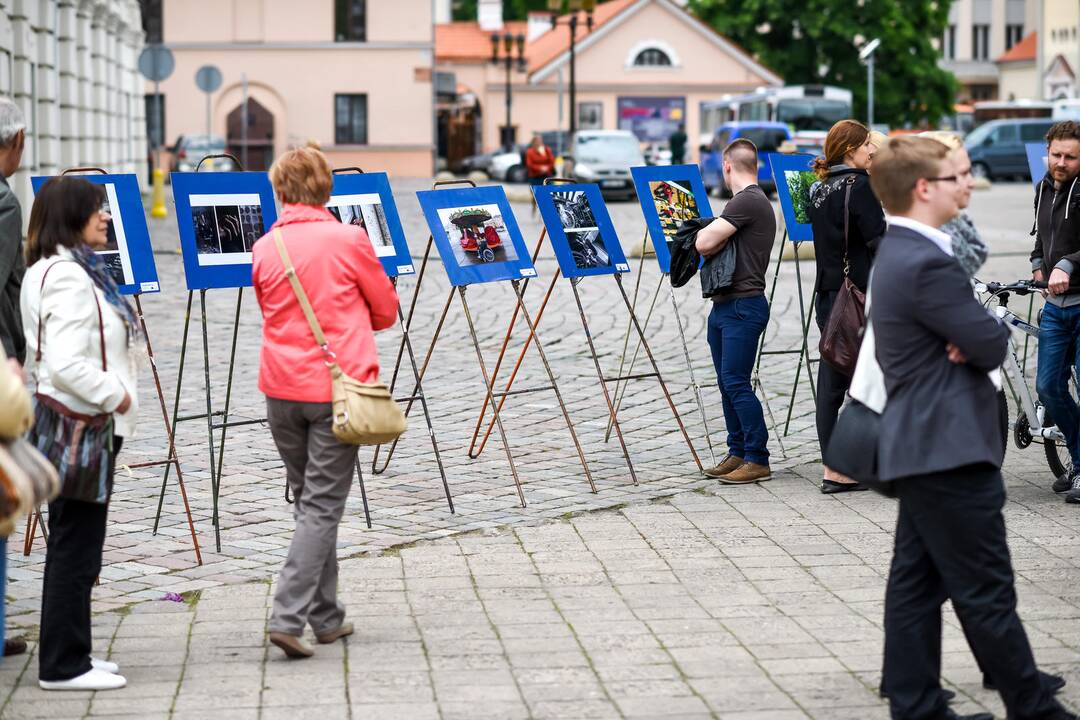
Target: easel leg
<point>225,412</point>
<point>423,368</point>
<point>804,350</point>
<point>171,457</point>
<point>602,381</point>
<point>363,490</point>
<point>209,421</point>
<point>473,452</point>
<point>622,387</point>
<point>690,368</point>
<point>659,376</point>
<point>554,383</point>
<point>517,367</point>
<point>490,393</point>
<point>419,391</point>
<point>33,520</point>
<point>405,325</point>
<point>176,405</point>
<point>629,329</point>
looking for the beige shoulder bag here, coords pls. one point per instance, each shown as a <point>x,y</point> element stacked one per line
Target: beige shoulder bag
<point>363,414</point>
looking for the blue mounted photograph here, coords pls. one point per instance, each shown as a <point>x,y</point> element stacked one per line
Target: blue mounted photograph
<point>220,215</point>
<point>669,196</point>
<point>128,256</point>
<point>794,178</point>
<point>476,234</point>
<point>1036,157</point>
<point>580,229</point>
<point>365,200</point>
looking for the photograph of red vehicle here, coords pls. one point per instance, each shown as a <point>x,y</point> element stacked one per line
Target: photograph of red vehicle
<point>477,234</point>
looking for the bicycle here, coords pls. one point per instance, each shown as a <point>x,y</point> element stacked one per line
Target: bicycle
<point>1033,422</point>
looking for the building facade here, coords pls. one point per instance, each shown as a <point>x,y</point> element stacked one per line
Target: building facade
<point>71,65</point>
<point>351,76</point>
<point>1058,49</point>
<point>980,32</point>
<point>645,65</point>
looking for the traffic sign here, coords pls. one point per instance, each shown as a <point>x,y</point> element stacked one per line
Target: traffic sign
<point>156,63</point>
<point>208,78</point>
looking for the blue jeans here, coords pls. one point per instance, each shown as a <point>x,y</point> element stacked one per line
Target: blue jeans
<point>1059,337</point>
<point>735,328</point>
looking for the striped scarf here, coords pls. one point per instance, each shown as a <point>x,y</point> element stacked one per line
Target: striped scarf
<point>95,268</point>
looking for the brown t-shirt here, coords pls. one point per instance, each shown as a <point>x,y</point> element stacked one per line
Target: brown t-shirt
<point>755,231</point>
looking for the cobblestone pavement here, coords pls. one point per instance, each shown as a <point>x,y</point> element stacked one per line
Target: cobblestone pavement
<point>681,600</point>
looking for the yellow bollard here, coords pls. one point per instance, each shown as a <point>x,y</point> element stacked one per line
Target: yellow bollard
<point>157,205</point>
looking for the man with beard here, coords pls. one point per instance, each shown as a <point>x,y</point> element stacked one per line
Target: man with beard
<point>1057,255</point>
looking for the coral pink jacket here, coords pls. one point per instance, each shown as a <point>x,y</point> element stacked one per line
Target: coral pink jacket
<point>349,292</point>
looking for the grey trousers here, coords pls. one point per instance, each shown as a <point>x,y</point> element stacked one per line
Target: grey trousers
<point>319,470</point>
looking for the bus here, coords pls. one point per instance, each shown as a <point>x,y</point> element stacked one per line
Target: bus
<point>808,110</point>
<point>988,110</point>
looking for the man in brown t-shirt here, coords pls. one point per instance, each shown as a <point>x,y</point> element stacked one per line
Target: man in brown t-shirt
<point>740,313</point>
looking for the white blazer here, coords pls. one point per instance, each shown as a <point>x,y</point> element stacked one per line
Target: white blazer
<point>70,369</point>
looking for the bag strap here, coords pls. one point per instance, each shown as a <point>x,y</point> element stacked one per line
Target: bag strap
<point>848,182</point>
<point>101,320</point>
<point>302,298</point>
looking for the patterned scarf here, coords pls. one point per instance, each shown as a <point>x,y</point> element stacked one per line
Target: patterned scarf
<point>968,248</point>
<point>95,268</point>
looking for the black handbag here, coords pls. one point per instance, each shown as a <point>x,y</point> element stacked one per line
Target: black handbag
<point>79,446</point>
<point>853,447</point>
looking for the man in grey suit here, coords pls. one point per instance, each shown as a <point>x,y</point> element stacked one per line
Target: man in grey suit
<point>941,448</point>
<point>12,267</point>
<point>12,264</point>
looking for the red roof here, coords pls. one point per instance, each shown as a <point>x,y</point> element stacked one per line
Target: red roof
<point>466,41</point>
<point>1023,51</point>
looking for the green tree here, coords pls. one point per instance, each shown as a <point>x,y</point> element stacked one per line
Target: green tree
<point>512,9</point>
<point>818,41</point>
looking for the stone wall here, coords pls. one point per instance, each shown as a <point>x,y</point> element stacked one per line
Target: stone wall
<point>71,66</point>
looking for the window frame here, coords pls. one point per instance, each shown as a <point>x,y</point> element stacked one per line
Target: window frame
<point>340,138</point>
<point>590,104</point>
<point>344,21</point>
<point>652,52</point>
<point>980,51</point>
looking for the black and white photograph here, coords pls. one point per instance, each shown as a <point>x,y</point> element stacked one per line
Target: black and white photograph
<point>581,229</point>
<point>115,253</point>
<point>226,227</point>
<point>365,211</point>
<point>477,235</point>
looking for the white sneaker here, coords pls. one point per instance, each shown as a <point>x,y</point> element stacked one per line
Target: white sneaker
<point>109,667</point>
<point>93,679</point>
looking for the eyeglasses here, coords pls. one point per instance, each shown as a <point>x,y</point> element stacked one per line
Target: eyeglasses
<point>947,178</point>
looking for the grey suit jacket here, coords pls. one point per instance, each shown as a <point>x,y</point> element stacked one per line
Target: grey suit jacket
<point>940,415</point>
<point>12,269</point>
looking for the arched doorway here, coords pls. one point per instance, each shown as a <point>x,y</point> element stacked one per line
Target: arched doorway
<point>259,143</point>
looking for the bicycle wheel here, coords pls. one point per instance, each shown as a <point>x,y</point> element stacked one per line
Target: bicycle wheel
<point>1057,455</point>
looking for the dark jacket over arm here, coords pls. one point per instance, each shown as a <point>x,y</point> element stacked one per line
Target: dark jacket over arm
<point>940,415</point>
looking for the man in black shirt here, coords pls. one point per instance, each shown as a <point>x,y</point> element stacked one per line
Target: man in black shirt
<point>740,313</point>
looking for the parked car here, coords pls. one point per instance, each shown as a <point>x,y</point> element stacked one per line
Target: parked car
<point>605,157</point>
<point>657,154</point>
<point>997,149</point>
<point>509,165</point>
<point>190,149</point>
<point>767,136</point>
<point>475,163</point>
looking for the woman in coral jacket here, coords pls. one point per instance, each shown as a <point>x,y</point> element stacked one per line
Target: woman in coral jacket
<point>352,298</point>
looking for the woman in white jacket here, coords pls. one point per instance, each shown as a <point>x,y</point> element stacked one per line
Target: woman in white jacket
<point>80,334</point>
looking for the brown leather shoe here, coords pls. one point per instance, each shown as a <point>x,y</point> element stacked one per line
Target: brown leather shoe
<point>746,474</point>
<point>728,464</point>
<point>292,645</point>
<point>326,638</point>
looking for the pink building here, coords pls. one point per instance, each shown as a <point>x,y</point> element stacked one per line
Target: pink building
<point>352,76</point>
<point>647,65</point>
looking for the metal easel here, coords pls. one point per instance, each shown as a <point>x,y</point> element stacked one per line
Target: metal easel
<point>171,460</point>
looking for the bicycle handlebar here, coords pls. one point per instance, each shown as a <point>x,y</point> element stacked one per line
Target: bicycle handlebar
<point>1020,287</point>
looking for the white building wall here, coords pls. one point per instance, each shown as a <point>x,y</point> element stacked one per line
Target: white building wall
<point>71,66</point>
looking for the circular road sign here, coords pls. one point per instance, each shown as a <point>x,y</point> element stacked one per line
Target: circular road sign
<point>208,78</point>
<point>156,62</point>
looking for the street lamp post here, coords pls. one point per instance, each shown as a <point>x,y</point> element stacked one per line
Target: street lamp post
<point>572,22</point>
<point>509,43</point>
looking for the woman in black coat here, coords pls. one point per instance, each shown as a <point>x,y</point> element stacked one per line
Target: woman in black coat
<point>843,174</point>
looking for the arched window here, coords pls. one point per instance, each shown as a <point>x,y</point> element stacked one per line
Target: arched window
<point>652,57</point>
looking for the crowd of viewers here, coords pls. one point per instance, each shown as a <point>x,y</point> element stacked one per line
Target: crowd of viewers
<point>888,220</point>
